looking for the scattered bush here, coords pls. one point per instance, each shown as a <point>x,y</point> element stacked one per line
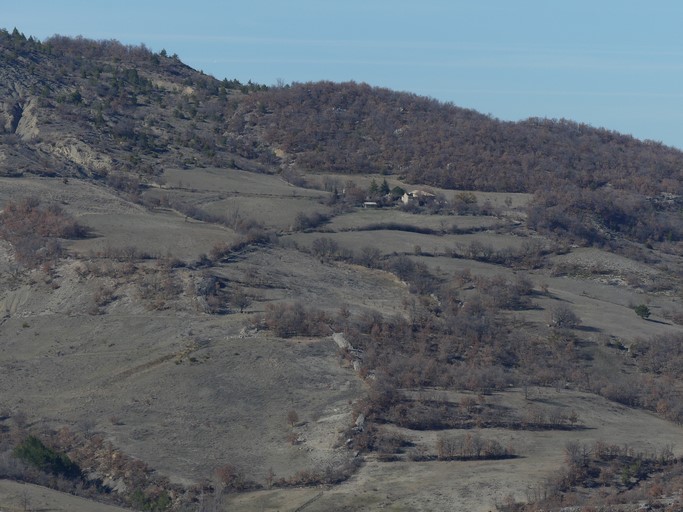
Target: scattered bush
<point>292,418</point>
<point>159,286</point>
<point>239,299</point>
<point>34,230</point>
<point>294,319</point>
<point>325,248</point>
<point>124,253</point>
<point>153,500</point>
<point>470,447</point>
<point>309,221</point>
<point>642,311</point>
<point>329,475</point>
<point>621,475</point>
<point>369,257</point>
<point>396,226</point>
<point>34,452</point>
<point>233,478</point>
<point>561,316</point>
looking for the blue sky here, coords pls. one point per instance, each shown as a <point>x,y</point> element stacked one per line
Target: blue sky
<point>608,63</point>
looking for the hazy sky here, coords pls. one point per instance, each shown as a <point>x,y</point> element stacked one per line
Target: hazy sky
<point>616,64</point>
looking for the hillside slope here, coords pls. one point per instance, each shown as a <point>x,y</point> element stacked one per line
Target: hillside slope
<point>213,295</point>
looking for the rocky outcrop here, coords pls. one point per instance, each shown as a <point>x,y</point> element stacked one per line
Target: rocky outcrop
<point>80,154</point>
<point>26,120</point>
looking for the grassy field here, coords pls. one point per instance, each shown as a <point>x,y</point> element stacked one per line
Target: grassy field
<point>362,218</point>
<point>20,497</point>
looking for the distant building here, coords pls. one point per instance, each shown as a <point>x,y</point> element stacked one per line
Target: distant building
<point>420,197</point>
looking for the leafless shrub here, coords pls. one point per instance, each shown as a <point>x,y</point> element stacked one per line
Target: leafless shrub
<point>318,476</point>
<point>11,467</point>
<point>103,295</point>
<point>158,287</point>
<point>503,294</point>
<point>531,253</point>
<point>369,257</point>
<point>325,248</point>
<point>470,446</point>
<point>223,250</point>
<point>126,253</point>
<point>622,390</point>
<point>292,417</point>
<point>390,443</point>
<point>34,230</point>
<point>313,220</point>
<point>675,316</point>
<point>562,316</point>
<point>239,299</point>
<point>293,177</point>
<point>295,319</point>
<point>124,183</point>
<point>107,268</point>
<point>479,251</point>
<point>661,355</point>
<point>232,478</point>
<point>220,251</point>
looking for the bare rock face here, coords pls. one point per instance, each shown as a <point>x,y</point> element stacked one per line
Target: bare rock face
<point>13,97</point>
<point>79,153</point>
<point>20,117</point>
<point>26,119</point>
<point>360,421</point>
<point>341,341</point>
<point>8,122</point>
<point>15,117</point>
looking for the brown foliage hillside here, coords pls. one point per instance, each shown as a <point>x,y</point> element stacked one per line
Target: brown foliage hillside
<point>356,128</point>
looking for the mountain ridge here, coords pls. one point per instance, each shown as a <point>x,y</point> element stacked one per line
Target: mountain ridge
<point>111,96</point>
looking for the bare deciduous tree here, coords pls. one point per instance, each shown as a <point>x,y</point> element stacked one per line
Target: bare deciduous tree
<point>240,300</point>
<point>292,417</point>
<point>562,317</point>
